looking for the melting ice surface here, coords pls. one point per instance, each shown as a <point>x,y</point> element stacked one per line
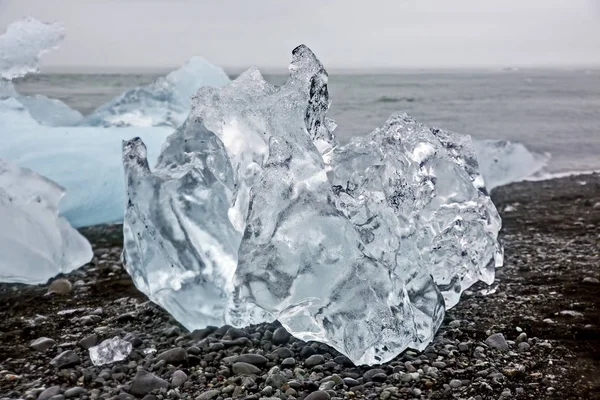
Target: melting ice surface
<point>35,242</point>
<point>253,213</point>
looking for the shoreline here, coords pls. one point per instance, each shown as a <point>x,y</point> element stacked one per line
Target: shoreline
<point>544,302</point>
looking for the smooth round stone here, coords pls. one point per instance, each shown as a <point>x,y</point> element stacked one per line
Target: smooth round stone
<point>254,359</point>
<point>318,395</point>
<point>455,383</point>
<point>50,392</point>
<point>179,378</point>
<point>242,368</point>
<point>280,336</point>
<point>315,359</point>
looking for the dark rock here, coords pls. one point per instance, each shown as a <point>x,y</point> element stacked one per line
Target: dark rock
<point>351,382</point>
<point>254,359</point>
<point>48,393</point>
<point>175,356</point>
<point>497,341</point>
<point>307,351</point>
<point>315,359</point>
<point>88,341</point>
<point>42,344</point>
<point>76,391</point>
<point>236,333</point>
<point>344,361</point>
<point>144,382</point>
<point>65,359</point>
<point>222,330</point>
<point>283,352</point>
<point>134,340</point>
<point>200,334</point>
<point>179,378</point>
<point>318,395</point>
<point>209,395</point>
<point>280,336</point>
<point>368,376</point>
<point>242,368</point>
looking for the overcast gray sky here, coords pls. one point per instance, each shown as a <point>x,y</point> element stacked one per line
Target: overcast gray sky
<point>343,33</point>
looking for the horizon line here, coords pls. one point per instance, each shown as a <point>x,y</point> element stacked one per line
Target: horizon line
<point>273,69</point>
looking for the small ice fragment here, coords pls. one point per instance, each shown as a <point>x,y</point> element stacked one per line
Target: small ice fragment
<point>489,290</point>
<point>110,351</point>
<point>149,351</point>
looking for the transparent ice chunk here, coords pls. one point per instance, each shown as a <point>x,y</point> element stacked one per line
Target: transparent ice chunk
<point>253,213</point>
<point>110,351</point>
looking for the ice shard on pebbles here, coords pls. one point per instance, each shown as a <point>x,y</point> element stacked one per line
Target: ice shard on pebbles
<point>35,242</point>
<point>110,351</point>
<point>253,213</point>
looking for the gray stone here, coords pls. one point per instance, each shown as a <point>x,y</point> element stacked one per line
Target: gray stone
<point>200,334</point>
<point>523,346</point>
<point>179,378</point>
<point>76,391</point>
<point>368,376</point>
<point>50,392</point>
<point>144,382</point>
<point>134,340</point>
<point>590,280</point>
<point>318,395</point>
<point>307,351</point>
<point>315,359</point>
<point>236,333</point>
<point>175,356</point>
<point>288,362</point>
<point>351,382</point>
<point>497,341</point>
<point>89,341</point>
<point>242,368</point>
<point>455,383</point>
<point>209,395</point>
<point>280,336</point>
<point>521,338</point>
<point>42,344</point>
<point>58,397</point>
<point>254,359</point>
<point>65,359</point>
<point>283,352</point>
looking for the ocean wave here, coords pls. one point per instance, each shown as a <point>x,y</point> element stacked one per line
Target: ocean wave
<point>388,99</point>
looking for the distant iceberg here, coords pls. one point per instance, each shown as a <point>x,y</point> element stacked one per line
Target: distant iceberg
<point>165,102</point>
<point>502,162</point>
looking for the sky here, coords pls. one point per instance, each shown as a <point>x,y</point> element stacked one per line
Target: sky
<point>349,34</point>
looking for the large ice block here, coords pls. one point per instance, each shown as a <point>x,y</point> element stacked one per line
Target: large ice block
<point>253,213</point>
<point>35,243</point>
